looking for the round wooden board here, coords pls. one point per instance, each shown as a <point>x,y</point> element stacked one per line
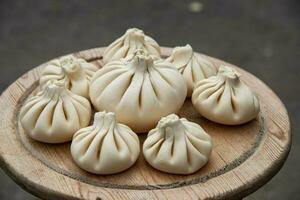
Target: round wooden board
<point>243,159</point>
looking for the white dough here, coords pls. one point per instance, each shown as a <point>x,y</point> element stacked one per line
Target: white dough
<point>177,146</point>
<point>75,72</point>
<point>132,40</point>
<point>193,67</point>
<point>55,114</point>
<point>106,147</point>
<point>138,90</point>
<point>225,99</point>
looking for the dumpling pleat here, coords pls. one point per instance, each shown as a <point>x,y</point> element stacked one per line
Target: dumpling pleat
<point>52,77</point>
<point>125,87</point>
<point>209,89</point>
<point>122,128</point>
<point>120,86</point>
<point>121,138</point>
<point>112,47</point>
<point>233,101</point>
<point>210,93</point>
<point>199,71</point>
<point>225,103</point>
<point>65,112</point>
<point>107,70</point>
<point>31,112</point>
<point>52,114</point>
<point>128,106</point>
<point>200,145</point>
<point>155,148</point>
<point>164,150</point>
<point>141,93</point>
<point>216,96</point>
<point>162,87</point>
<point>121,52</point>
<point>110,153</point>
<point>81,110</point>
<point>45,116</point>
<point>79,135</point>
<point>154,89</point>
<point>99,140</point>
<point>197,131</point>
<point>106,80</point>
<point>194,153</point>
<point>190,67</point>
<point>116,44</point>
<point>84,142</point>
<point>188,156</point>
<point>163,77</point>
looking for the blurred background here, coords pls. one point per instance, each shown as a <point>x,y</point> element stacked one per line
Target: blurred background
<point>261,36</point>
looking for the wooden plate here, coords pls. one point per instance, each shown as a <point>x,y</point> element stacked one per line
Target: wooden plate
<point>243,159</point>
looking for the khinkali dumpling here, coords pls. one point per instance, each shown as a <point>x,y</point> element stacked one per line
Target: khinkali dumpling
<point>75,72</point>
<point>193,67</point>
<point>132,40</point>
<point>106,147</point>
<point>55,114</point>
<point>225,99</point>
<point>139,91</point>
<point>177,146</point>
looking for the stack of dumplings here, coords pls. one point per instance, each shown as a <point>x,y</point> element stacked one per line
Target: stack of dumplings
<point>136,91</point>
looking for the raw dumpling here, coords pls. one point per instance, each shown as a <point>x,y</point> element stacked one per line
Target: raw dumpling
<point>75,72</point>
<point>139,91</point>
<point>132,40</point>
<point>225,99</point>
<point>193,67</point>
<point>106,147</point>
<point>177,146</point>
<point>55,114</point>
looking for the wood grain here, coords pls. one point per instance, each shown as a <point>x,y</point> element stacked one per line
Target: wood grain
<point>243,158</point>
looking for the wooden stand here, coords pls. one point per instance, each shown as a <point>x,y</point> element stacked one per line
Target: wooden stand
<point>243,159</point>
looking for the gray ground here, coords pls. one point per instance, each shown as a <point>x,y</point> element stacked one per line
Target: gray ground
<point>262,36</point>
